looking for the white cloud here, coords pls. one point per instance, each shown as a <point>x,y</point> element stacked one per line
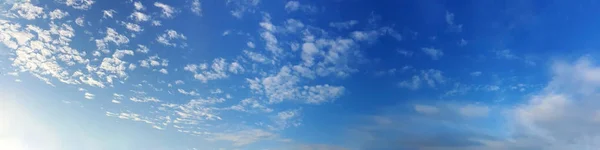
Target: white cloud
<point>132,26</point>
<point>343,25</point>
<point>80,21</point>
<point>28,11</point>
<point>218,70</point>
<point>138,6</point>
<point>144,99</point>
<point>154,61</point>
<point>191,93</point>
<point>281,86</point>
<point>139,17</point>
<point>130,116</point>
<point>435,54</point>
<point>163,71</point>
<point>242,6</point>
<point>226,32</point>
<point>116,101</point>
<point>114,64</point>
<point>236,68</point>
<point>108,13</point>
<point>285,86</point>
<point>156,23</point>
<point>43,55</point>
<point>293,25</point>
<point>195,8</point>
<point>244,137</point>
<point>322,93</point>
<point>178,82</point>
<point>430,77</point>
<point>142,49</point>
<point>167,11</point>
<point>257,57</point>
<point>426,109</point>
<point>113,36</point>
<point>250,44</point>
<point>77,4</point>
<point>271,42</point>
<point>365,35</point>
<point>88,95</point>
<point>291,6</point>
<point>58,14</point>
<point>248,105</point>
<point>308,52</point>
<point>169,35</point>
<point>286,119</point>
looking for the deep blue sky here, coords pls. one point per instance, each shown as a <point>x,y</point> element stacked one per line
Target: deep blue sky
<point>309,74</point>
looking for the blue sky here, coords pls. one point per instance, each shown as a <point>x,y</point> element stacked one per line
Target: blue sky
<point>305,75</point>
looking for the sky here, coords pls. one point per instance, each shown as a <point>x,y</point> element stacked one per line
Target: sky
<point>299,75</point>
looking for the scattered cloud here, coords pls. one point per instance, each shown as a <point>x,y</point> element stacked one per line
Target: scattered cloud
<point>435,54</point>
<point>58,14</point>
<point>167,11</point>
<point>89,95</point>
<point>108,13</point>
<point>242,6</point>
<point>28,11</point>
<point>78,4</point>
<point>343,25</point>
<point>139,6</point>
<point>195,8</point>
<point>451,24</point>
<point>430,77</point>
<point>139,16</point>
<point>169,35</point>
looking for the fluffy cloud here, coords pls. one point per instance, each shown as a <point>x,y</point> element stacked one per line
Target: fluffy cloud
<point>242,6</point>
<point>58,14</point>
<point>88,95</point>
<point>132,26</point>
<point>139,16</point>
<point>44,55</point>
<point>169,35</point>
<point>286,119</point>
<point>80,21</point>
<point>218,70</point>
<point>28,11</point>
<point>195,8</point>
<point>285,86</point>
<point>78,4</point>
<point>108,13</point>
<point>292,6</point>
<point>114,64</point>
<point>138,6</point>
<point>113,36</point>
<point>430,77</point>
<point>167,11</point>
